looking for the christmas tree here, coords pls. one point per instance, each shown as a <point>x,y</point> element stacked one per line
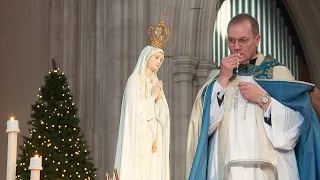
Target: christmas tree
<point>55,135</point>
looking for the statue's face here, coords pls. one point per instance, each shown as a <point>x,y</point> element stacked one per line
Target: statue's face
<point>241,40</point>
<point>155,61</point>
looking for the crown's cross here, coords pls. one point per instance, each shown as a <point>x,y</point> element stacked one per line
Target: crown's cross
<point>157,32</point>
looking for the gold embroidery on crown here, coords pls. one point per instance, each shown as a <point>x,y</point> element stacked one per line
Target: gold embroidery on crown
<point>156,34</point>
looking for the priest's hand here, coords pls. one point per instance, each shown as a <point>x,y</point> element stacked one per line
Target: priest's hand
<point>227,65</point>
<point>251,92</point>
<point>156,90</point>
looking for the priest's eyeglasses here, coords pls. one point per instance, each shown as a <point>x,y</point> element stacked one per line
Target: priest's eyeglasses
<point>241,41</point>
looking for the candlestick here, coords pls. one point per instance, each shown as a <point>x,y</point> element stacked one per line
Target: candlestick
<point>116,176</point>
<point>12,130</point>
<point>35,167</point>
<point>116,173</point>
<point>108,176</point>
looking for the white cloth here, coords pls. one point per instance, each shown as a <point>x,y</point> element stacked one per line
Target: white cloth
<point>243,141</point>
<point>142,121</point>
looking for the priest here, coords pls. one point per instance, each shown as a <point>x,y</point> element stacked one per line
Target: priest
<point>253,110</point>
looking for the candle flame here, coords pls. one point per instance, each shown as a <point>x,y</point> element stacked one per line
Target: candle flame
<point>36,156</point>
<point>12,118</point>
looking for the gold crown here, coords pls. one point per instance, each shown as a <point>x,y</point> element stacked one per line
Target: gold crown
<point>156,34</point>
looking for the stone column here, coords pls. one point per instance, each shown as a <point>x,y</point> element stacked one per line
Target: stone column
<point>204,68</point>
<point>184,70</point>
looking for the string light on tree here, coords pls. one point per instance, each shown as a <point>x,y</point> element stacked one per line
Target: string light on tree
<point>54,133</point>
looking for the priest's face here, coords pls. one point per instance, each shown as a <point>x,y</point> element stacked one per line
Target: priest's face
<point>241,40</point>
<point>155,61</point>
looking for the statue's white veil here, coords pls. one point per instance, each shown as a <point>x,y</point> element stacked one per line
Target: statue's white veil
<point>132,110</point>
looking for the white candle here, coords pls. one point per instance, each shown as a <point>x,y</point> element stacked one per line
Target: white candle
<point>12,130</point>
<point>35,167</point>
